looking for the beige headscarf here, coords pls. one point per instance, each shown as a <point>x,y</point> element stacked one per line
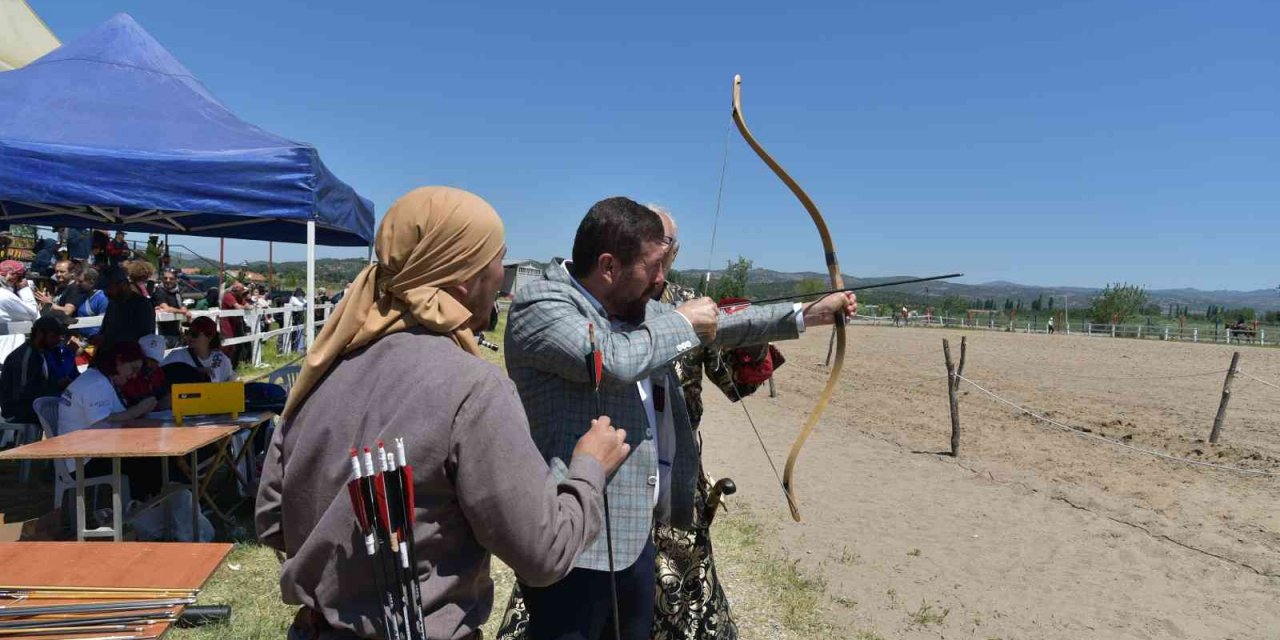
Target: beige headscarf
<point>430,238</point>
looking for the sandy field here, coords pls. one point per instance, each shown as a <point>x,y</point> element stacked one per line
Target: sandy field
<point>1033,532</point>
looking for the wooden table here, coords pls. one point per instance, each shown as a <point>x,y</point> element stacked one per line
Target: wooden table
<point>250,420</point>
<point>168,565</point>
<point>145,442</point>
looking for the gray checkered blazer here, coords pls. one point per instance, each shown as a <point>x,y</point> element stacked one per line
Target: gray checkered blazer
<point>546,348</point>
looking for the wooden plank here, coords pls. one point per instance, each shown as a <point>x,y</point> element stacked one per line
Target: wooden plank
<point>167,565</point>
<point>121,443</point>
<point>161,565</point>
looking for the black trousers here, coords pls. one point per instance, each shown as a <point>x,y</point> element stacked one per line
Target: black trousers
<point>580,607</point>
<point>143,474</point>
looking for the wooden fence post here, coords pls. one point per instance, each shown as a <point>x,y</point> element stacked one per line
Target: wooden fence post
<point>1226,397</point>
<point>953,386</point>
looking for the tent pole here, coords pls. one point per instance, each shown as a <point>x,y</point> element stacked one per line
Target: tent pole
<point>271,263</point>
<point>311,282</point>
<point>370,254</point>
<point>222,268</point>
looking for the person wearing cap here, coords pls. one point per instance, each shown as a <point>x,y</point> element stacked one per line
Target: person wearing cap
<point>35,370</point>
<point>203,351</point>
<point>154,251</point>
<point>150,381</point>
<point>14,305</point>
<point>130,314</point>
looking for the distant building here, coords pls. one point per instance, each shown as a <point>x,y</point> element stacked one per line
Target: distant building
<point>517,273</point>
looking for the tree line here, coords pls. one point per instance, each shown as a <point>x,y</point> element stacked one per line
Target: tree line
<point>1117,303</point>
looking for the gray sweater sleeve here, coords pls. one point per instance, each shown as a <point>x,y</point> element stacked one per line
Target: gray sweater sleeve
<point>267,511</point>
<point>514,505</point>
<point>757,324</point>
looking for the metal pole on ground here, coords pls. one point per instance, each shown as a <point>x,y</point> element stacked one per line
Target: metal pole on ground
<point>1226,397</point>
<point>271,266</point>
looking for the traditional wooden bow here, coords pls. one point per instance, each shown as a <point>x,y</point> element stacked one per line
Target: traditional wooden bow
<point>837,282</point>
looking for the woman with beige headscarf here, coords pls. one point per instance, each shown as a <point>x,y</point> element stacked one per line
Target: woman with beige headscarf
<point>398,360</point>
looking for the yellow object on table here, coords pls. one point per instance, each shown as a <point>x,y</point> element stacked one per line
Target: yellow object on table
<point>207,398</point>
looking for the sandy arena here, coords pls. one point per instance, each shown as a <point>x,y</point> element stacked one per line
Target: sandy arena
<point>1033,533</point>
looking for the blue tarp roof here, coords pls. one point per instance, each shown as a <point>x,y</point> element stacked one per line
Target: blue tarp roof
<point>111,131</point>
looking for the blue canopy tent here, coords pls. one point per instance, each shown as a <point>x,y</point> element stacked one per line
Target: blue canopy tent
<point>110,131</point>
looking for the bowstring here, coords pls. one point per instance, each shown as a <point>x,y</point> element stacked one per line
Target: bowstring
<point>715,222</point>
<point>706,291</point>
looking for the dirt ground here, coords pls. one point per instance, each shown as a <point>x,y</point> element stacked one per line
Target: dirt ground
<point>1033,532</point>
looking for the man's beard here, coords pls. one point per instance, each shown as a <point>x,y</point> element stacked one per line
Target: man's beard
<point>633,311</point>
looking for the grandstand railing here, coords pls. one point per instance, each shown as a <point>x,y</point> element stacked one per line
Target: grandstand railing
<point>256,332</point>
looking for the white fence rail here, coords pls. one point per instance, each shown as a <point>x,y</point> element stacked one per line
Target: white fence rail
<point>256,321</point>
<point>1152,331</point>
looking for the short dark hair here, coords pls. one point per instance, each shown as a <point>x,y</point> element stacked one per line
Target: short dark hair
<point>109,358</point>
<point>619,226</point>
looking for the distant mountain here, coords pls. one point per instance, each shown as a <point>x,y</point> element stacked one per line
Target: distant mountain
<point>768,283</point>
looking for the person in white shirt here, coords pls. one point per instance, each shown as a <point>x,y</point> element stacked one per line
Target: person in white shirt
<point>94,397</point>
<point>203,351</point>
<point>14,305</point>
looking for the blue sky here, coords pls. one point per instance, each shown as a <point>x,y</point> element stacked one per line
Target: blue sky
<point>1045,143</point>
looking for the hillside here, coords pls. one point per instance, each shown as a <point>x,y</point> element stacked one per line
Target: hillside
<point>333,272</point>
<point>766,282</point>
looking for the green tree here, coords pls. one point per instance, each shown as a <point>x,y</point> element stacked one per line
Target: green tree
<point>1117,303</point>
<point>1246,314</point>
<point>732,282</point>
<point>810,285</point>
<point>953,305</point>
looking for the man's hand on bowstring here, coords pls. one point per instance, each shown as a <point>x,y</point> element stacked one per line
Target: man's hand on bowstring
<point>824,310</point>
<point>704,315</point>
<point>604,443</point>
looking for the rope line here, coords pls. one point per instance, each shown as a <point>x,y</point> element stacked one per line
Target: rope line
<point>1084,434</point>
<point>1255,378</point>
<point>1172,377</point>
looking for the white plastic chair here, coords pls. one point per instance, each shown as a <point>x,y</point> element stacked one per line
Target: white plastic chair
<point>47,411</point>
<point>18,434</point>
<point>285,376</point>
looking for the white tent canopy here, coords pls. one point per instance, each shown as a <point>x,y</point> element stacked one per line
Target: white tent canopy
<point>23,35</point>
